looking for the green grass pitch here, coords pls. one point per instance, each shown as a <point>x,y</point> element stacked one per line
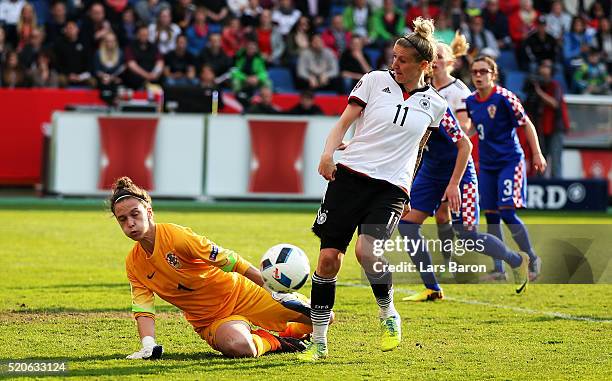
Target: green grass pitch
<point>64,296</point>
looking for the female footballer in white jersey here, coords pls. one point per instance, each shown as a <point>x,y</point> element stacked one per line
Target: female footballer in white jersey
<point>455,92</point>
<point>368,188</point>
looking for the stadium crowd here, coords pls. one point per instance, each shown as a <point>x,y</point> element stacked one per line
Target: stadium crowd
<point>314,45</point>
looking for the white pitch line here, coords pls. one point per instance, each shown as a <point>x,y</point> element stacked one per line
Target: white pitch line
<point>529,311</point>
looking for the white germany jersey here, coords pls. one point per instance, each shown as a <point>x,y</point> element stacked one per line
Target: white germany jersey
<point>388,132</point>
<point>455,94</point>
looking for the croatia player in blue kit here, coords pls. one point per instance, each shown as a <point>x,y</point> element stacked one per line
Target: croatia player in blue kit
<point>496,113</point>
<point>448,174</point>
<point>447,180</point>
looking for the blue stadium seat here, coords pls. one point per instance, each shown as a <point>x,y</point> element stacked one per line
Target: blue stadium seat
<point>514,82</point>
<point>507,60</point>
<point>281,79</point>
<point>373,54</point>
<point>336,9</point>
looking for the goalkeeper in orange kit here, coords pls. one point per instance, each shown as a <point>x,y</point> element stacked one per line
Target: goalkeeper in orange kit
<point>218,291</point>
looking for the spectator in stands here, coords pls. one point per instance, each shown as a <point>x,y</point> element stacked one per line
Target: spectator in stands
<point>576,44</point>
<point>596,13</point>
<point>249,73</point>
<point>558,22</point>
<point>73,59</point>
<point>317,67</point>
<point>209,84</point>
<point>481,40</point>
<point>95,27</point>
<point>538,46</point>
<point>263,104</point>
<point>316,10</point>
<point>270,41</point>
<point>5,47</point>
<point>180,65</point>
<point>386,58</point>
<point>217,12</point>
<point>298,39</point>
<point>606,6</point>
<point>306,105</point>
<point>148,10</point>
<point>214,56</point>
<point>236,7</point>
<point>9,16</point>
<point>126,29</point>
<point>42,74</point>
<point>249,13</point>
<point>592,76</point>
<point>164,32</point>
<point>285,16</point>
<point>444,32</point>
<point>25,25</point>
<point>28,54</point>
<point>109,63</point>
<point>13,74</point>
<point>354,63</point>
<point>496,22</point>
<point>546,107</point>
<point>387,23</point>
<point>336,37</point>
<point>356,18</point>
<point>602,41</point>
<point>474,7</point>
<point>144,62</point>
<point>197,33</point>
<point>522,22</point>
<point>183,13</point>
<point>233,37</point>
<point>422,8</point>
<point>55,25</point>
<point>458,18</point>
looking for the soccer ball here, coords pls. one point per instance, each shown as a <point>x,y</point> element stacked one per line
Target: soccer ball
<point>284,268</point>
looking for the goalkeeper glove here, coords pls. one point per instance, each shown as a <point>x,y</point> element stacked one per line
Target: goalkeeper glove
<point>150,350</point>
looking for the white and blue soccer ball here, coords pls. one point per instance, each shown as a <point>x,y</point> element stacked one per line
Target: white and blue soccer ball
<point>284,268</point>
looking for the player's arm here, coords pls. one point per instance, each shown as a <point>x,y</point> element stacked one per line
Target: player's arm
<point>143,311</point>
<point>200,247</point>
<point>254,275</point>
<point>539,162</point>
<point>450,127</point>
<point>230,261</point>
<point>522,119</point>
<point>452,192</point>
<point>465,122</point>
<point>327,167</point>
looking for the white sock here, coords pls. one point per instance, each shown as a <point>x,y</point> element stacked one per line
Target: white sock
<point>387,308</point>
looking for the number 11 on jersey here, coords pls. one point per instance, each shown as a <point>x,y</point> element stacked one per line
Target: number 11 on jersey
<point>399,108</point>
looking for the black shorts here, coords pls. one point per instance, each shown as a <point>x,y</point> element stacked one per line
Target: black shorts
<point>355,200</point>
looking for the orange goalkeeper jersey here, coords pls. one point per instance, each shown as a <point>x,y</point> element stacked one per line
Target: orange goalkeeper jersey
<point>188,271</point>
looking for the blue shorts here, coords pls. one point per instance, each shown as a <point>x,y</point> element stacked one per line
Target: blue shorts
<point>506,186</point>
<point>426,196</point>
